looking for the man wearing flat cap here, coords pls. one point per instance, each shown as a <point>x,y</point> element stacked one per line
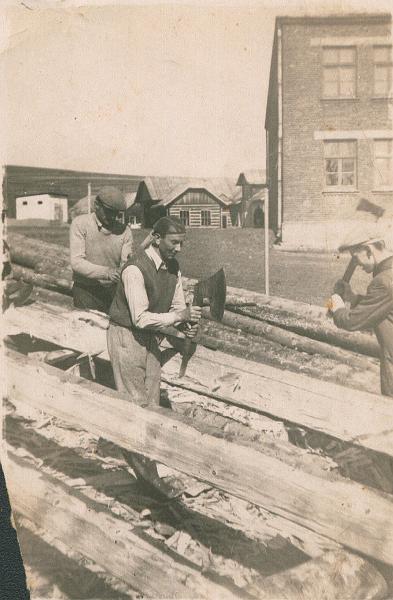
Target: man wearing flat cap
<point>149,298</point>
<point>374,310</point>
<point>99,245</point>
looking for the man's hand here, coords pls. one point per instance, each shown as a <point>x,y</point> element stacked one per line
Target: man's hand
<point>343,289</point>
<point>191,330</point>
<point>334,303</point>
<point>191,314</point>
<point>114,275</point>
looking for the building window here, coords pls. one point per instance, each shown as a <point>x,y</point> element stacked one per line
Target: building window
<point>24,202</point>
<point>383,67</point>
<point>39,202</point>
<point>339,72</point>
<point>340,164</point>
<point>206,220</point>
<point>185,217</point>
<point>383,163</point>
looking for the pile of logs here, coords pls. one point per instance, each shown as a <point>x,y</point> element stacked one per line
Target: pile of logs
<point>281,332</point>
<point>232,431</point>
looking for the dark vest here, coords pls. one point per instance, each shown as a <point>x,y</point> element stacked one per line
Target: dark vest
<point>160,287</point>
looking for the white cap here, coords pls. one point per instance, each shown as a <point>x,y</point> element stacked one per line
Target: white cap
<point>365,233</point>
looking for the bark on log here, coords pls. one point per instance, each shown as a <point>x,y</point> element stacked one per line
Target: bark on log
<point>331,576</point>
<point>289,339</point>
<point>324,331</point>
<point>304,319</point>
<point>318,405</point>
<point>42,280</point>
<point>110,542</point>
<point>40,256</point>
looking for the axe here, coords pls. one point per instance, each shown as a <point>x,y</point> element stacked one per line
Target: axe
<point>214,289</point>
<point>368,207</point>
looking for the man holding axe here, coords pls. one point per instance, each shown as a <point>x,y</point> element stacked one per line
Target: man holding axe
<point>149,298</point>
<point>367,247</point>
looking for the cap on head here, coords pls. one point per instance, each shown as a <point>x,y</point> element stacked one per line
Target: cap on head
<point>112,198</point>
<point>167,225</point>
<point>362,235</point>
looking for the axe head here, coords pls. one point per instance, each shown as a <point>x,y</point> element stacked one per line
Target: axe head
<point>369,207</point>
<point>213,288</point>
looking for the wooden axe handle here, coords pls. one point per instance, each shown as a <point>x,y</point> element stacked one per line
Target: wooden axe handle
<point>188,349</point>
<point>349,271</point>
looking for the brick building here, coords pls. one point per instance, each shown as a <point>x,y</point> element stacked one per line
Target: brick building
<point>329,125</point>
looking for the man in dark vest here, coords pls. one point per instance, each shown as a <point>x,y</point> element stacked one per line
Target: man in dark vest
<point>149,298</point>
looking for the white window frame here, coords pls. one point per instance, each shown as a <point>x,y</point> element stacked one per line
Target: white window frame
<point>339,66</point>
<point>377,185</point>
<point>340,187</point>
<point>209,214</point>
<point>187,213</point>
<point>384,63</point>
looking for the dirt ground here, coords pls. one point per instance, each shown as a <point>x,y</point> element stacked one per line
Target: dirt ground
<point>307,277</point>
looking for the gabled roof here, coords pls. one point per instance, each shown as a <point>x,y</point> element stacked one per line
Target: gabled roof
<point>259,195</point>
<point>160,187</point>
<point>252,177</point>
<point>51,194</point>
<point>164,190</point>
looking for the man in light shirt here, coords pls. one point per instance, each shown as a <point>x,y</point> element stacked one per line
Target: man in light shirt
<point>99,245</point>
<point>149,298</point>
<point>374,310</point>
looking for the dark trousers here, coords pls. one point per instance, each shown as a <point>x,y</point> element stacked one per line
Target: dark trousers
<point>95,297</point>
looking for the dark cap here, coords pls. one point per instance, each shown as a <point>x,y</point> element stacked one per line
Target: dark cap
<point>112,197</point>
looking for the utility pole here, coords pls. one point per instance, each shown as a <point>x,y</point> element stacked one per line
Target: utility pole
<point>89,197</point>
<point>266,222</point>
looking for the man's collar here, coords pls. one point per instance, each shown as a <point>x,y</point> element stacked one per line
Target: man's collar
<point>155,256</point>
<point>100,226</point>
<point>384,265</point>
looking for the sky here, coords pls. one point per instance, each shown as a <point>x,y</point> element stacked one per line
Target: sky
<point>141,89</point>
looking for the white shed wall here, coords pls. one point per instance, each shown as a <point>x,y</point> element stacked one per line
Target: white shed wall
<point>42,206</point>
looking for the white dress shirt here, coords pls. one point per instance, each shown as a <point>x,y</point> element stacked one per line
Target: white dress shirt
<point>138,302</point>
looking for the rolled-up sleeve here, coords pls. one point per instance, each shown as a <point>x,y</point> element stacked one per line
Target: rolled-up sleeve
<point>79,263</point>
<point>138,303</point>
<point>371,309</point>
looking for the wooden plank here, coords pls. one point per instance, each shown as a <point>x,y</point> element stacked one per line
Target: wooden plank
<point>344,511</point>
<point>312,403</point>
<point>331,576</point>
<point>88,528</point>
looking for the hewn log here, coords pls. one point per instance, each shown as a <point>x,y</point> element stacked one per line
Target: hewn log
<point>346,512</point>
<point>358,417</point>
<point>93,531</point>
<point>331,576</point>
<point>318,405</point>
<point>290,339</point>
<point>88,528</point>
